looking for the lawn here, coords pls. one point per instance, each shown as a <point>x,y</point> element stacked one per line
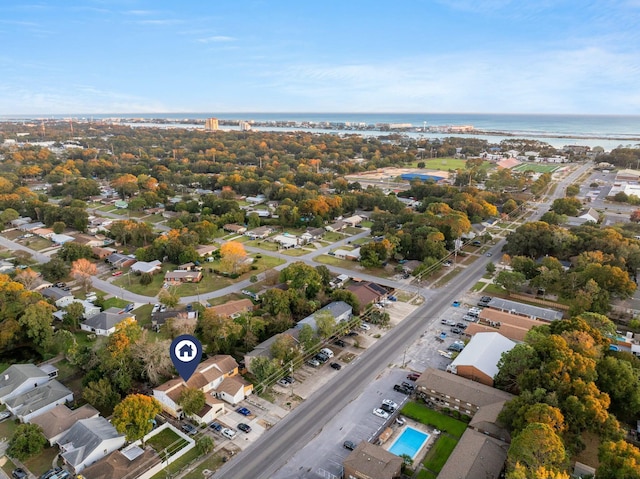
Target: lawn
<point>332,236</point>
<point>262,244</point>
<point>425,415</point>
<point>114,303</point>
<point>179,464</point>
<point>143,315</point>
<point>478,286</point>
<point>212,463</point>
<point>295,252</point>
<point>42,462</point>
<point>167,440</point>
<point>8,427</point>
<point>444,163</point>
<point>537,168</point>
<point>38,244</point>
<point>439,453</point>
<point>352,265</point>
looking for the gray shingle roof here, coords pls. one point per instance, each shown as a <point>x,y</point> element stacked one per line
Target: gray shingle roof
<point>525,309</point>
<point>107,319</point>
<point>17,374</point>
<point>84,437</point>
<point>37,398</point>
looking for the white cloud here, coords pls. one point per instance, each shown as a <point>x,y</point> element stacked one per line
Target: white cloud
<point>216,39</point>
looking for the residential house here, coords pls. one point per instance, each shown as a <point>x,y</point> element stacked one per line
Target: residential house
<point>411,265</point>
<point>60,297</point>
<point>120,260</point>
<point>234,228</point>
<point>259,233</point>
<point>177,277</point>
<point>20,378</point>
<point>478,361</point>
<point>45,233</point>
<point>88,441</point>
<point>206,250</point>
<point>351,255</point>
<point>189,267</point>
<point>311,235</point>
<point>148,267</point>
<point>590,215</point>
<point>31,227</point>
<point>264,348</point>
<point>353,220</point>
<point>102,253</point>
<point>286,241</point>
<point>260,213</point>
<point>56,422</point>
<point>38,400</point>
<point>90,309</point>
<point>337,226</point>
<point>92,241</point>
<point>130,463</point>
<point>368,461</point>
<point>217,377</point>
<point>61,239</point>
<point>256,200</point>
<point>121,205</point>
<point>527,310</point>
<point>340,311</point>
<point>104,323</point>
<point>18,222</point>
<point>367,292</point>
<point>233,309</point>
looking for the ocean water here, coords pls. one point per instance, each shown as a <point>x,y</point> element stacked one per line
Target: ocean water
<point>608,131</point>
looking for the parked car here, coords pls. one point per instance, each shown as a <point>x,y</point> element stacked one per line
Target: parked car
<point>455,304</point>
<point>447,322</point>
<point>4,415</point>
<point>321,358</point>
<point>290,379</point>
<point>390,403</point>
<point>283,382</point>
<point>456,331</point>
<point>412,376</point>
<point>156,308</point>
<point>402,389</point>
<point>340,342</point>
<point>314,363</point>
<point>244,427</point>
<point>461,326</point>
<point>189,429</point>
<point>349,445</point>
<point>244,411</point>
<point>352,333</point>
<point>381,413</point>
<point>392,298</point>
<point>336,366</point>
<point>387,408</point>
<point>228,433</point>
<point>407,385</point>
<point>116,273</point>
<point>216,426</point>
<point>19,473</point>
<point>446,354</point>
<point>365,327</point>
<point>400,421</point>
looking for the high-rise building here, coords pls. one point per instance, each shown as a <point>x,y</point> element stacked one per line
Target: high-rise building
<point>245,126</point>
<point>211,124</point>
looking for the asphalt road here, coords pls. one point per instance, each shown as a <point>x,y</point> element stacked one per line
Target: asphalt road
<point>270,453</point>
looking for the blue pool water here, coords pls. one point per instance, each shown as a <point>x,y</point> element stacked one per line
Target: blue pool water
<point>409,442</point>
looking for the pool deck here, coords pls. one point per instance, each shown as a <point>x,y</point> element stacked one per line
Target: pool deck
<point>398,430</point>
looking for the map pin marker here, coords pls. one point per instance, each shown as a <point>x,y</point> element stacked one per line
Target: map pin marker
<point>186,352</point>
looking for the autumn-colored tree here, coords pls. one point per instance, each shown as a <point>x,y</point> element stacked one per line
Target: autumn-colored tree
<point>133,416</point>
<point>233,256</point>
<point>192,400</point>
<point>618,459</point>
<point>84,270</point>
<point>635,216</point>
<point>26,277</point>
<point>537,445</point>
<point>168,298</point>
<point>221,333</point>
<point>126,185</point>
<point>156,363</point>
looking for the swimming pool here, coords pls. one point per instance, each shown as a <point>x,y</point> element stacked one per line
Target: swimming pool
<point>409,442</point>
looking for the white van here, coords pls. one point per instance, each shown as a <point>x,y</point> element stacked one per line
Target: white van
<point>327,351</point>
<point>228,433</point>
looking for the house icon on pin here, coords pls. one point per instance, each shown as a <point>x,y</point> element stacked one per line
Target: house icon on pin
<point>186,350</point>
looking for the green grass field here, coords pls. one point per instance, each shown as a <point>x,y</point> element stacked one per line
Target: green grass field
<point>439,453</point>
<point>425,415</point>
<point>537,168</point>
<point>444,163</point>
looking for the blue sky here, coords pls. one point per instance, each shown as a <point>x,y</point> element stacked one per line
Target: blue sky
<point>482,56</point>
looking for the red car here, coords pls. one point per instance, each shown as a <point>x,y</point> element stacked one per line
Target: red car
<point>412,376</point>
<point>116,273</point>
